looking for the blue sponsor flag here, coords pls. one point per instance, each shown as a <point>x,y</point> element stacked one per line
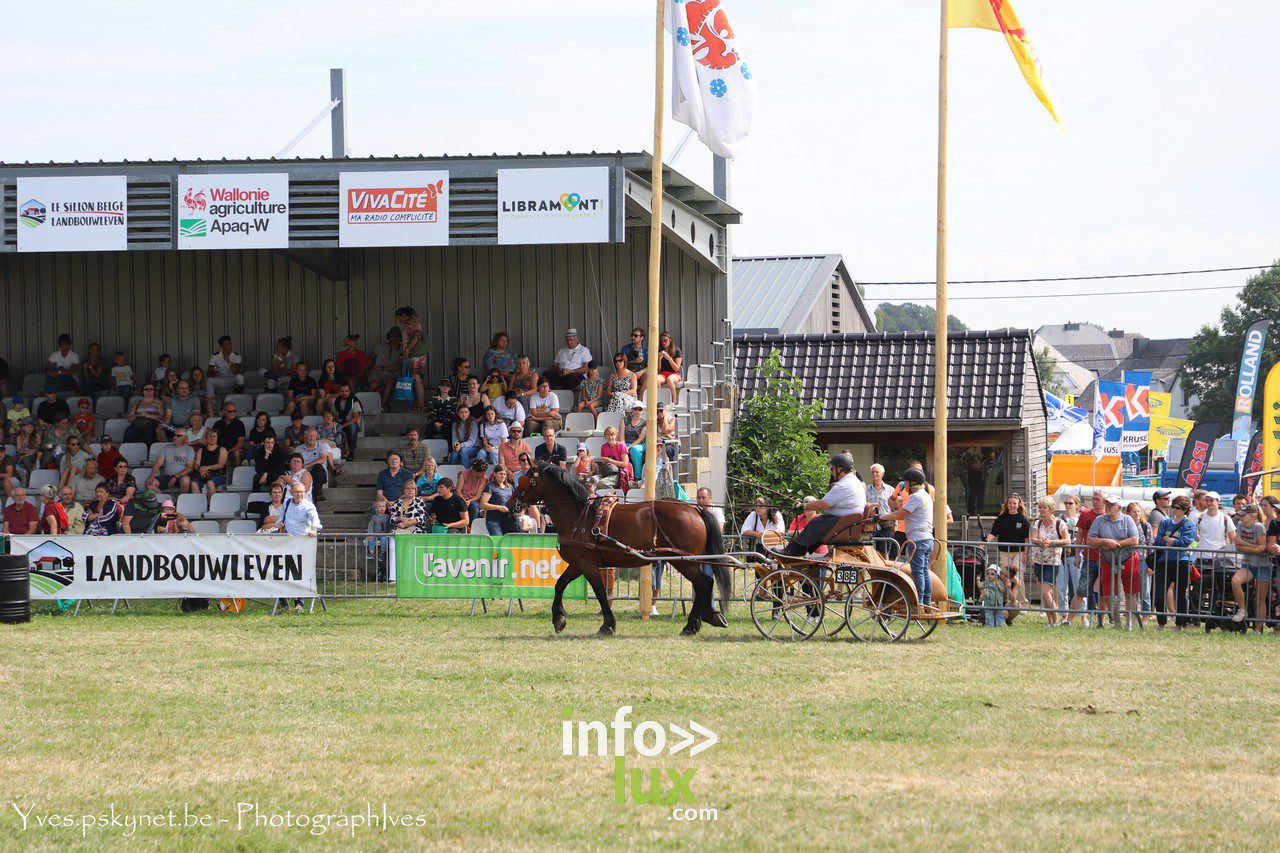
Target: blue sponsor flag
<point>1137,410</point>
<point>1061,413</point>
<point>1099,429</point>
<point>1111,404</point>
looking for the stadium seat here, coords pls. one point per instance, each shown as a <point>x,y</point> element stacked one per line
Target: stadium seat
<point>247,420</point>
<point>634,495</point>
<point>477,526</point>
<point>115,428</point>
<point>256,497</point>
<point>437,447</point>
<point>242,402</point>
<point>240,527</point>
<point>223,505</point>
<point>192,506</point>
<point>280,423</point>
<point>450,471</point>
<point>205,528</point>
<point>33,384</point>
<point>312,420</point>
<point>579,425</point>
<point>370,401</point>
<point>664,396</point>
<point>108,406</point>
<point>241,480</point>
<point>609,419</point>
<point>135,452</point>
<point>566,401</point>
<point>594,445</point>
<point>132,400</point>
<point>271,403</point>
<point>160,448</point>
<point>40,478</point>
<point>254,380</point>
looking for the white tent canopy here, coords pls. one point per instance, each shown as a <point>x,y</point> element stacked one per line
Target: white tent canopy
<point>1077,438</point>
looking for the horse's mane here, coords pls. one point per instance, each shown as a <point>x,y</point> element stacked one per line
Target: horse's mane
<point>575,487</point>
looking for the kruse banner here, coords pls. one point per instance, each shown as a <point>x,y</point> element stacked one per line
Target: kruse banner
<point>1137,410</point>
<point>206,566</point>
<point>393,208</point>
<point>72,214</point>
<point>1110,403</point>
<point>233,211</point>
<point>553,205</point>
<point>442,565</point>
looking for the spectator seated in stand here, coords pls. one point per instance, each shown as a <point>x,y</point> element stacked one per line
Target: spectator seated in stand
<point>173,470</point>
<point>471,483</point>
<point>391,481</point>
<point>84,421</point>
<point>352,363</point>
<point>52,409</point>
<point>499,356</point>
<point>303,392</point>
<point>591,392</point>
<point>550,451</point>
<point>123,381</point>
<point>464,438</point>
<point>281,367</point>
<point>510,409</point>
<point>544,409</point>
<point>231,434</point>
<point>315,458</point>
<point>269,463</point>
<point>180,406</point>
<point>226,369</point>
<point>73,509</point>
<point>448,510</point>
<point>348,412</point>
<point>62,368</point>
<point>442,411</point>
<point>413,453</point>
<point>670,365</point>
<point>262,429</point>
<point>510,451</point>
<point>524,381</point>
<point>385,366</point>
<point>211,466</point>
<point>145,416</point>
<point>571,362</point>
<point>21,517</point>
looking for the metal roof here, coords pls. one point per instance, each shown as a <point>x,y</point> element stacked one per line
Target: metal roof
<point>887,378</point>
<point>775,294</point>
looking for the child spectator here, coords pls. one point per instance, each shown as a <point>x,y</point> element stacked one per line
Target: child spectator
<point>493,386</point>
<point>163,364</point>
<point>122,376</point>
<point>18,412</point>
<point>295,432</point>
<point>591,391</point>
<point>83,421</point>
<point>1251,542</point>
<point>378,545</point>
<point>992,597</point>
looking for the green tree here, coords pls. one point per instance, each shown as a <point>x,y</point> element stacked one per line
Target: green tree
<point>1047,368</point>
<point>775,443</point>
<point>1212,365</point>
<point>910,317</point>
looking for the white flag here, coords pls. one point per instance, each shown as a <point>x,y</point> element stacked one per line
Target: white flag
<point>711,87</point>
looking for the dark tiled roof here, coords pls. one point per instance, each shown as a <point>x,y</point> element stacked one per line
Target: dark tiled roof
<point>888,377</point>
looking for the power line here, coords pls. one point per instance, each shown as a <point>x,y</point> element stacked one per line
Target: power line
<point>1062,295</point>
<point>1067,278</point>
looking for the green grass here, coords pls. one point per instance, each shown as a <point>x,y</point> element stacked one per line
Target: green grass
<point>1023,736</point>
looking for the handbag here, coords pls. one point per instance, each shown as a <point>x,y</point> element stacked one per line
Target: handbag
<point>404,384</point>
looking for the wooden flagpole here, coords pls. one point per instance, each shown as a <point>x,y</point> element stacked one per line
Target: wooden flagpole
<point>655,287</point>
<point>940,388</point>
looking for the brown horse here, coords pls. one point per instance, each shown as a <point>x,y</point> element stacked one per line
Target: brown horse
<point>665,529</point>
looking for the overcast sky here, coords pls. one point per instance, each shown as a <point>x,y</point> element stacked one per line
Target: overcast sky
<point>1168,162</point>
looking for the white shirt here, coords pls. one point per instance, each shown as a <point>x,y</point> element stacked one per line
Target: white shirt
<point>550,402</point>
<point>718,514</point>
<point>122,374</point>
<point>1213,530</point>
<point>573,358</point>
<point>753,522</point>
<point>512,414</point>
<point>64,362</point>
<point>846,496</point>
<point>222,364</point>
<point>298,519</point>
<point>919,521</point>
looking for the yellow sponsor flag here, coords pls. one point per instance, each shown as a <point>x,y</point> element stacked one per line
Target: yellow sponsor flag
<point>1162,429</point>
<point>1271,432</point>
<point>998,15</point>
<point>1160,403</point>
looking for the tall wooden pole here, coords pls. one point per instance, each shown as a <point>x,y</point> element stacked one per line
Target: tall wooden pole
<point>940,343</point>
<point>655,287</point>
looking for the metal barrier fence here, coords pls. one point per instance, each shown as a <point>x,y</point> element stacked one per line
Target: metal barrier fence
<point>1127,588</point>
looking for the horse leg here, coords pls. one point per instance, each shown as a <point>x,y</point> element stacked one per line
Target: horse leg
<point>558,620</point>
<point>712,616</point>
<point>610,626</point>
<point>701,598</point>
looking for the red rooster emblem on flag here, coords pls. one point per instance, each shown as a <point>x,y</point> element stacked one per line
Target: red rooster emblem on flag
<point>711,34</point>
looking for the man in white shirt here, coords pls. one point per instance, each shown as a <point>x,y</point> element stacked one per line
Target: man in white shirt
<point>570,363</point>
<point>63,366</point>
<point>1214,530</point>
<point>298,517</point>
<point>544,409</point>
<point>704,502</point>
<point>847,496</point>
<point>226,368</point>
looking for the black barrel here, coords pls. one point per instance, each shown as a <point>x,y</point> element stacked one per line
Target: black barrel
<point>15,589</point>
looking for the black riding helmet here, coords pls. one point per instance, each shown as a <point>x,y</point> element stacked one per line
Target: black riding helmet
<point>913,475</point>
<point>843,461</point>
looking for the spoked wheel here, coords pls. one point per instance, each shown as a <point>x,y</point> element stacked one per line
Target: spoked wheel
<point>787,605</point>
<point>878,610</point>
<point>833,602</point>
<point>921,628</point>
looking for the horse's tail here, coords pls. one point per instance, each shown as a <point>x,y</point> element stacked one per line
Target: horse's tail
<point>715,545</point>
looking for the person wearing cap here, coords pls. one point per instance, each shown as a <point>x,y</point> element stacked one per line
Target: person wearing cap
<point>52,409</point>
<point>1173,563</point>
<point>1251,542</point>
<point>83,421</point>
<point>63,366</point>
<point>226,368</point>
<point>570,362</point>
<point>73,509</point>
<point>917,513</point>
<point>18,412</point>
<point>1161,499</point>
<point>141,513</point>
<point>170,520</point>
<point>510,450</point>
<point>108,456</point>
<point>352,362</point>
<point>1116,537</point>
<point>847,496</point>
<point>1214,533</point>
<point>544,409</point>
<point>53,518</point>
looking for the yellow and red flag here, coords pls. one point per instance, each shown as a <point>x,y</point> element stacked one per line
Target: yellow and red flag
<point>998,15</point>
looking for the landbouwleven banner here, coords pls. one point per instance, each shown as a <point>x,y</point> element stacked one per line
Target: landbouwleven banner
<point>553,205</point>
<point>442,565</point>
<point>205,566</point>
<point>79,214</point>
<point>233,211</point>
<point>393,208</point>
<point>1196,454</point>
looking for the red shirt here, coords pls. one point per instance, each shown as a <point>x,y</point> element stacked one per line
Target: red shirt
<point>84,423</point>
<point>22,518</point>
<point>800,523</point>
<point>351,364</point>
<point>1082,527</point>
<point>107,460</point>
<point>53,508</point>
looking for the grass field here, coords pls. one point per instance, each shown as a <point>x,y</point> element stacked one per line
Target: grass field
<point>1023,736</point>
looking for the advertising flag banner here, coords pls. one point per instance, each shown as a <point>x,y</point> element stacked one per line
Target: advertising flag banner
<point>1111,403</point>
<point>1163,429</point>
<point>393,208</point>
<point>206,566</point>
<point>1137,410</point>
<point>553,205</point>
<point>233,211</point>
<point>1099,431</point>
<point>1252,464</point>
<point>442,565</point>
<point>1197,454</point>
<point>1160,403</point>
<point>80,214</point>
<point>999,15</point>
<point>1271,432</point>
<point>712,90</point>
<point>1061,414</point>
<point>1247,385</point>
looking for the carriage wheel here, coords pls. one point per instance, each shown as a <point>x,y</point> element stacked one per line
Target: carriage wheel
<point>921,628</point>
<point>833,602</point>
<point>878,610</point>
<point>786,605</point>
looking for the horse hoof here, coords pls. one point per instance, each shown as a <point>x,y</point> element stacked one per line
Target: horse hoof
<point>558,623</point>
<point>606,631</point>
<point>718,620</point>
<point>689,631</point>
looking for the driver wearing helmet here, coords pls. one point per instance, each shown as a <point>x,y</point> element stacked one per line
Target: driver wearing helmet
<point>847,496</point>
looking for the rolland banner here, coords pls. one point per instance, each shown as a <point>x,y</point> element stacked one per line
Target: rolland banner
<point>1197,454</point>
<point>1247,386</point>
<point>207,566</point>
<point>442,565</point>
<point>1271,432</point>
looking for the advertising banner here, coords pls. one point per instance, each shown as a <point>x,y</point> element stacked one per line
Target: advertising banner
<point>442,565</point>
<point>1061,414</point>
<point>1252,464</point>
<point>1247,385</point>
<point>1137,410</point>
<point>1160,403</point>
<point>553,205</point>
<point>1110,403</point>
<point>393,208</point>
<point>1271,432</point>
<point>1197,454</point>
<point>1163,429</point>
<point>72,214</point>
<point>206,566</point>
<point>233,211</point>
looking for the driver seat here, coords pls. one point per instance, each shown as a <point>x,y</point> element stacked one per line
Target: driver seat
<point>850,529</point>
